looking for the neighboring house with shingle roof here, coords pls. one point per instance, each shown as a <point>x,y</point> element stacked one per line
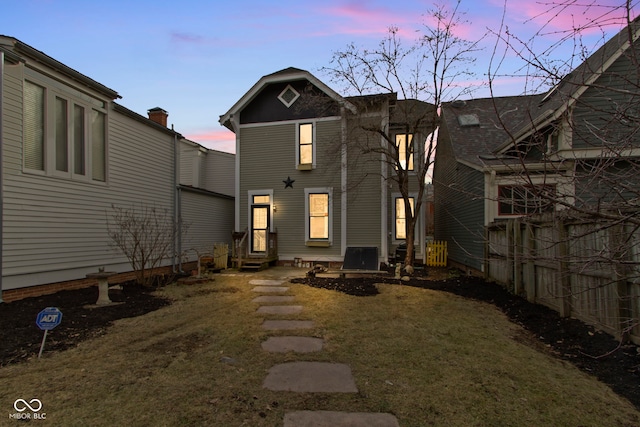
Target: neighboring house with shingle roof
<point>576,146</point>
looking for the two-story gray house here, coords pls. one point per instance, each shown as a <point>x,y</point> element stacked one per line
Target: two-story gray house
<point>306,190</point>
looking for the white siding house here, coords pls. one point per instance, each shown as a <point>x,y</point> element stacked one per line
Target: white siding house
<point>69,153</point>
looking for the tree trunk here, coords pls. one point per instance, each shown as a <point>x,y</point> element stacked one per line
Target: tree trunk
<point>410,233</point>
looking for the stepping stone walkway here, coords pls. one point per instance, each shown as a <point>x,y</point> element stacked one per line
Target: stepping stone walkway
<point>273,298</point>
<point>333,419</point>
<point>279,309</point>
<point>305,376</point>
<point>270,289</point>
<point>283,325</point>
<point>295,344</point>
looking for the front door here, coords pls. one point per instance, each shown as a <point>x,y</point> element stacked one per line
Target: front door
<point>260,223</point>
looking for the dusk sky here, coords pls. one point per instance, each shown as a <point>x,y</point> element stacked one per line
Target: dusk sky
<point>196,58</point>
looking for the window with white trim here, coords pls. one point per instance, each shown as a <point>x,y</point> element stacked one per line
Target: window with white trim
<point>288,96</point>
<point>400,215</point>
<point>318,212</point>
<point>525,199</point>
<point>305,136</point>
<point>65,133</point>
<point>404,142</point>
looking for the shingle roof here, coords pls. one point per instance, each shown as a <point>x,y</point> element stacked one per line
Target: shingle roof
<point>517,114</point>
<point>471,140</point>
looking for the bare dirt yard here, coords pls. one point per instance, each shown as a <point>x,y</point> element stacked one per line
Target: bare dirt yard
<point>594,352</point>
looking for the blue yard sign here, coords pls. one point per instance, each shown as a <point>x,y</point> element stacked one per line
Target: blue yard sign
<point>48,319</point>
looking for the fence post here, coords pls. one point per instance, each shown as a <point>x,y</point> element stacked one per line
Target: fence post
<point>509,241</point>
<point>517,257</point>
<point>618,245</point>
<point>563,268</point>
<point>487,264</point>
<point>530,267</point>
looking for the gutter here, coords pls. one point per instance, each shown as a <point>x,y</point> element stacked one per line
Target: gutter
<point>177,240</point>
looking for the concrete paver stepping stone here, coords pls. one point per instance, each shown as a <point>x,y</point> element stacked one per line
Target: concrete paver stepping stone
<point>339,419</point>
<point>265,282</point>
<point>270,289</point>
<point>281,325</point>
<point>274,298</point>
<point>279,309</point>
<point>314,377</point>
<point>295,344</point>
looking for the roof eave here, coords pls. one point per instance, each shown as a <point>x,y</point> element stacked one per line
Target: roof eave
<point>41,57</point>
<point>225,119</point>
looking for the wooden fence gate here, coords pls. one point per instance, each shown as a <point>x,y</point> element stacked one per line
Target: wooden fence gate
<point>437,254</point>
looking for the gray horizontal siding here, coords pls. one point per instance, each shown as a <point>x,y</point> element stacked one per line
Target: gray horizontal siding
<point>209,220</point>
<point>267,157</point>
<point>459,207</point>
<point>220,173</point>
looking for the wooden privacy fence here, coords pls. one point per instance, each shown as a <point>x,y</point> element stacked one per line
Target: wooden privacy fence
<point>578,267</point>
<point>437,254</point>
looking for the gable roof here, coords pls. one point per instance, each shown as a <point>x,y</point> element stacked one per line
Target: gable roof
<point>287,74</point>
<point>477,127</point>
<point>559,98</point>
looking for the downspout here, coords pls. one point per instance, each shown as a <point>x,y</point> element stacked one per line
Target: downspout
<point>176,206</point>
<point>1,161</point>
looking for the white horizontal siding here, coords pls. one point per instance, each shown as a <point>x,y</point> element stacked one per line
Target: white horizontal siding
<point>55,228</point>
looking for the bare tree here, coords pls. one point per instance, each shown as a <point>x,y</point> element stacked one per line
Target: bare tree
<point>145,235</point>
<point>420,75</point>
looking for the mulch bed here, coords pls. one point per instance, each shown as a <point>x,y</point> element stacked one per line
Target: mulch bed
<point>592,351</point>
<point>20,337</point>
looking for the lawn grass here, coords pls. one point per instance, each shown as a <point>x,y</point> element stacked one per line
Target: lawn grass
<point>430,358</point>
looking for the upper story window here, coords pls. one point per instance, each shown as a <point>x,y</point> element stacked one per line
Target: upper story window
<point>305,145</point>
<point>64,133</point>
<point>33,150</point>
<point>404,142</point>
<point>525,199</point>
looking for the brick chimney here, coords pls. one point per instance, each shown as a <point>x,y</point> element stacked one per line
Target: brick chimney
<point>158,115</point>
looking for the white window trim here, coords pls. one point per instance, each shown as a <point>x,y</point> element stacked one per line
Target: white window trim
<point>250,195</point>
<point>413,154</point>
<point>284,101</point>
<point>416,236</point>
<point>53,90</point>
<point>564,187</point>
<point>313,124</point>
<point>319,190</point>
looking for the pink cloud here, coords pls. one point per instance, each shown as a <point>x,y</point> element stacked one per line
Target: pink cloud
<point>359,17</point>
<point>220,139</point>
